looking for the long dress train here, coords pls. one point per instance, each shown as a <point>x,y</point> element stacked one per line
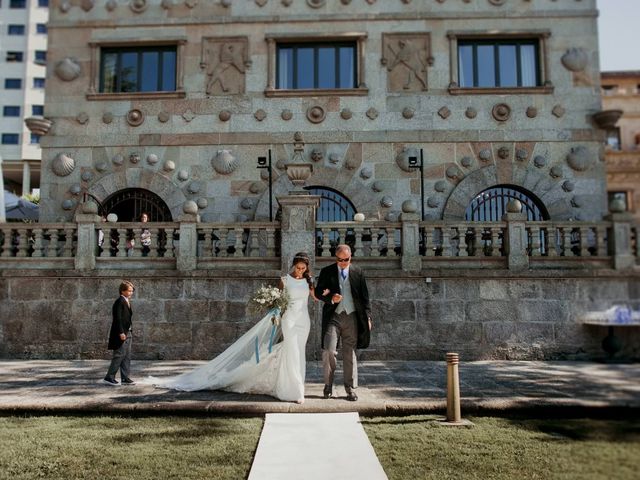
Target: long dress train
<point>253,363</point>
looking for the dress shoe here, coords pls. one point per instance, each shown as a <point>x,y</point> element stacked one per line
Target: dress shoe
<point>127,381</point>
<point>352,397</point>
<point>110,381</point>
<point>327,392</point>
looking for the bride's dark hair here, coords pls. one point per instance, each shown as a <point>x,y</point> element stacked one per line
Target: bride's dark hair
<point>304,258</point>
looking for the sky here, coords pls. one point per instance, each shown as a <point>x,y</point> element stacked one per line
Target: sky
<point>619,30</point>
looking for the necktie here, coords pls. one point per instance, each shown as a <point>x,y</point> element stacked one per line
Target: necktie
<point>343,274</point>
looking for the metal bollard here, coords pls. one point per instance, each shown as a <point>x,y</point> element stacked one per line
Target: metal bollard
<point>453,388</point>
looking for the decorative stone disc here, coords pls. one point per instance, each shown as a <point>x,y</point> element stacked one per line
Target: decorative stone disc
<point>135,117</point>
<point>118,159</point>
<point>501,112</point>
<point>224,115</point>
<point>316,114</point>
<point>152,159</point>
<point>169,166</point>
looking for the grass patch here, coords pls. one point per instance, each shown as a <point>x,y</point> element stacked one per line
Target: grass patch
<point>127,448</point>
<point>500,448</point>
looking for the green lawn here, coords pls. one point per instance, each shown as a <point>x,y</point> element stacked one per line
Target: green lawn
<point>413,448</point>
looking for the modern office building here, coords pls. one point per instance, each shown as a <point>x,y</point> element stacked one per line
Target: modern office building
<point>23,59</point>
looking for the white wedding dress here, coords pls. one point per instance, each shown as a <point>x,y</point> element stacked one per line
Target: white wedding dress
<point>253,363</point>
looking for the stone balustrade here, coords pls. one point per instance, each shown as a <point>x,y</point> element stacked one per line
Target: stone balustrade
<point>408,244</point>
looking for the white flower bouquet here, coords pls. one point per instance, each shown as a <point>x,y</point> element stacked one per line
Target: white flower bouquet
<point>267,298</point>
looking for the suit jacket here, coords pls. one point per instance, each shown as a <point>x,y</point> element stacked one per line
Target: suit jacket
<point>121,312</point>
<point>328,279</point>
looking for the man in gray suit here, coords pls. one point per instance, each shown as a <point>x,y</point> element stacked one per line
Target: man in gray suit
<point>346,316</point>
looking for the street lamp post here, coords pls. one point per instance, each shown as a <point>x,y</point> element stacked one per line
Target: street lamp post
<point>264,163</point>
<point>413,163</point>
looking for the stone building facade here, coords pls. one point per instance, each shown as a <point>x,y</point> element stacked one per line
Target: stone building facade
<point>226,82</point>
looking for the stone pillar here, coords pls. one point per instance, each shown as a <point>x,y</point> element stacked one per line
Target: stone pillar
<point>411,258</point>
<point>3,215</point>
<point>515,241</point>
<point>85,258</point>
<point>186,256</point>
<point>620,240</point>
<point>298,225</point>
<point>26,178</point>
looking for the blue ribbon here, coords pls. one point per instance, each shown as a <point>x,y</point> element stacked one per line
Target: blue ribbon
<point>257,351</point>
<point>274,312</point>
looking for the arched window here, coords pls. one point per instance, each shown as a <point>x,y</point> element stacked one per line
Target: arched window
<point>490,204</point>
<point>130,203</point>
<point>334,207</point>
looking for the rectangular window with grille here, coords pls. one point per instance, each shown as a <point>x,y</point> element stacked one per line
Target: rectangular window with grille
<point>10,138</point>
<point>15,29</point>
<point>138,69</point>
<point>13,83</point>
<point>11,111</point>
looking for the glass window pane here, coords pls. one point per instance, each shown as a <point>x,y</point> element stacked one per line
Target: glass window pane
<point>465,66</point>
<point>285,68</point>
<point>347,68</point>
<point>129,72</point>
<point>109,75</point>
<point>486,66</point>
<point>149,77</point>
<point>37,110</point>
<point>529,70</point>
<point>508,66</point>
<point>168,71</point>
<point>305,71</point>
<point>326,67</point>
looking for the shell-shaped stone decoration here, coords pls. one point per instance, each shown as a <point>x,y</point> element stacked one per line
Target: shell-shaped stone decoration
<point>440,186</point>
<point>532,112</point>
<point>316,114</point>
<point>434,201</point>
<point>82,118</point>
<point>260,115</point>
<point>247,204</point>
<point>386,201</point>
<point>286,115</point>
<point>558,111</point>
<point>75,189</point>
<point>402,159</point>
<point>138,6</point>
<point>107,117</point>
<point>63,165</point>
<point>67,69</point>
<point>444,113</point>
<point>224,115</point>
<point>164,116</point>
<point>366,172</point>
<point>68,204</point>
<point>135,117</point>
<point>501,112</point>
<point>575,59</point>
<point>346,114</point>
<point>372,113</point>
<point>556,172</point>
<point>183,175</point>
<point>166,4</point>
<point>202,203</point>
<point>87,5</point>
<point>188,115</point>
<point>65,6</point>
<point>580,159</point>
<point>101,166</point>
<point>224,162</point>
<point>90,207</point>
<point>317,155</point>
<point>408,112</point>
<point>568,186</point>
<point>453,172</point>
<point>111,5</point>
<point>264,174</point>
<point>409,206</point>
<point>539,161</point>
<point>134,158</point>
<point>194,187</point>
<point>118,159</point>
<point>334,158</point>
<point>471,112</point>
<point>169,166</point>
<point>255,187</point>
<point>152,159</point>
<point>190,207</point>
<point>521,154</point>
<point>377,187</point>
<point>503,153</point>
<point>484,155</point>
<point>466,162</point>
<point>86,176</point>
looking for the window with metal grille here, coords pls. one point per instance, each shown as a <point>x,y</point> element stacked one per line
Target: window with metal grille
<point>334,207</point>
<point>491,204</point>
<point>131,203</point>
<point>138,69</point>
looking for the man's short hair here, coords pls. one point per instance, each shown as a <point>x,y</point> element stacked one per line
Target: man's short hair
<point>124,286</point>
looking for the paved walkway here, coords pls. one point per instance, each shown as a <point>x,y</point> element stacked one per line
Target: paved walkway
<point>386,388</point>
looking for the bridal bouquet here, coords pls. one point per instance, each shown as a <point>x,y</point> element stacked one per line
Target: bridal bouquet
<point>269,299</point>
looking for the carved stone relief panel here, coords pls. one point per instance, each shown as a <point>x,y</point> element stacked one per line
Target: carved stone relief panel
<point>225,61</point>
<point>406,57</point>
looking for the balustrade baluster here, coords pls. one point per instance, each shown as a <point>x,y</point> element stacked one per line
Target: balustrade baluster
<point>54,242</point>
<point>6,242</point>
<point>207,247</point>
<point>358,246</point>
<point>566,242</point>
<point>447,248</point>
<point>67,249</point>
<point>429,246</point>
<point>495,241</point>
<point>534,231</point>
<point>375,238</point>
<point>223,242</point>
<point>584,242</point>
<point>271,242</point>
<point>601,242</point>
<point>136,249</point>
<point>153,247</point>
<point>23,243</point>
<point>254,242</point>
<point>326,242</point>
<point>238,245</point>
<point>37,244</point>
<point>463,247</point>
<point>122,242</point>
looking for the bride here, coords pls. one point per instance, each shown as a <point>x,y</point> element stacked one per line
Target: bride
<point>254,364</point>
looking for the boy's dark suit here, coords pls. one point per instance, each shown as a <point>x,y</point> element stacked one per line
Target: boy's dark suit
<point>121,324</point>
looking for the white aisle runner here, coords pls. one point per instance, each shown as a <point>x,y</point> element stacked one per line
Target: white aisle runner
<point>310,446</point>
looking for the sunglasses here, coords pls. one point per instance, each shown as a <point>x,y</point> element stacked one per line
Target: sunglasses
<point>343,260</point>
